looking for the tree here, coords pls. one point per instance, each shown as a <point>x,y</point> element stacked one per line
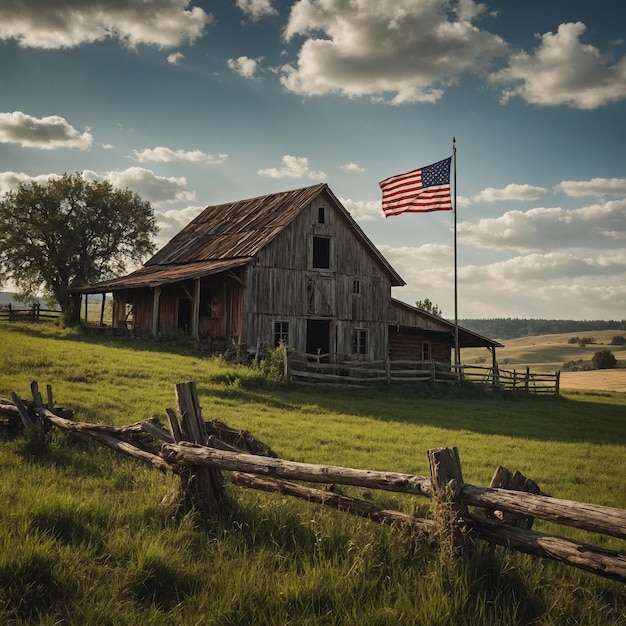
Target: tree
<point>429,307</point>
<point>604,360</point>
<point>69,232</point>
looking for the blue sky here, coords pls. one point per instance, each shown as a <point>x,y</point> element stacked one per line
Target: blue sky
<point>193,103</point>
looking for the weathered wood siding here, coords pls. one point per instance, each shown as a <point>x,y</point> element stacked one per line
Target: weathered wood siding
<point>409,344</point>
<point>353,292</point>
<point>220,316</point>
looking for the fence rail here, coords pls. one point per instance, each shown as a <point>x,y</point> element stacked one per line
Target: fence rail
<point>198,451</point>
<point>33,314</point>
<point>328,368</point>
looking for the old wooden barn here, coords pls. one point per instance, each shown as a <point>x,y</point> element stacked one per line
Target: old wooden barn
<point>292,267</point>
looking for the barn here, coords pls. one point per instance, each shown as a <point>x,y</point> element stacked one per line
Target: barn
<point>291,267</point>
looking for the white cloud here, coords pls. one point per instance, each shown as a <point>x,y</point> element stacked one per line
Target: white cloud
<point>172,221</point>
<point>46,24</point>
<point>10,181</point>
<point>352,167</point>
<point>510,192</point>
<point>256,9</point>
<point>549,228</point>
<point>175,58</point>
<point>161,154</point>
<point>597,187</point>
<point>363,211</point>
<point>147,184</point>
<point>398,50</point>
<point>563,70</point>
<point>244,66</point>
<point>46,133</point>
<point>293,167</point>
<point>559,285</point>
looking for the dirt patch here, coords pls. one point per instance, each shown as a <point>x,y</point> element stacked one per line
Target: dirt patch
<point>604,380</point>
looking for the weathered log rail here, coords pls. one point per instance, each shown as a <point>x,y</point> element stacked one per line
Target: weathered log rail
<point>331,369</point>
<point>198,451</point>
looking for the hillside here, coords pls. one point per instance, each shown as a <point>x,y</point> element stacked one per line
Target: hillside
<point>548,353</point>
<point>511,328</point>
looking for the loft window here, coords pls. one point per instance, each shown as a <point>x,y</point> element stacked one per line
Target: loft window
<point>321,252</point>
<point>281,333</point>
<point>426,351</point>
<point>359,341</point>
<point>356,286</point>
<point>320,215</point>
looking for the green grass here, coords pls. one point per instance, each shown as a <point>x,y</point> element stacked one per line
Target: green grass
<point>547,353</point>
<point>83,539</point>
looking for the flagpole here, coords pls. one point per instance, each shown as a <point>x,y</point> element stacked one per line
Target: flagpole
<point>457,354</point>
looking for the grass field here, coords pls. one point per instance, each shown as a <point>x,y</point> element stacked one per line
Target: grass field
<point>549,352</point>
<point>83,539</point>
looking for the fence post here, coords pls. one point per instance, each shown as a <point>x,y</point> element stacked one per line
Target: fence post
<point>527,380</point>
<point>447,479</point>
<point>558,382</point>
<point>433,376</point>
<point>285,364</point>
<point>188,425</point>
<point>10,312</point>
<point>388,370</point>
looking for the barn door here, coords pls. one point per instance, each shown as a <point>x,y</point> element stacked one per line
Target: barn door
<point>318,336</point>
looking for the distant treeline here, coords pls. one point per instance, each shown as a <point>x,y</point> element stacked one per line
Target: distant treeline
<point>510,328</point>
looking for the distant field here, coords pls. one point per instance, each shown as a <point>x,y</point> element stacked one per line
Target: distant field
<point>548,353</point>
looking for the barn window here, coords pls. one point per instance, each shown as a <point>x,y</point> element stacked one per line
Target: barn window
<point>356,286</point>
<point>359,341</point>
<point>321,215</point>
<point>321,252</point>
<point>281,333</point>
<point>426,351</point>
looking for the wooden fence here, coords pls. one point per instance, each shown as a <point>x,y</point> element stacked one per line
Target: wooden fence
<point>326,368</point>
<point>198,451</point>
<point>34,314</point>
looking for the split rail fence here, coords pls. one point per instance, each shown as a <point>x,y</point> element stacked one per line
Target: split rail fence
<point>198,451</point>
<point>329,370</point>
<point>32,314</point>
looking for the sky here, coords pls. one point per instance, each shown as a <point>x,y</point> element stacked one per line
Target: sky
<point>192,103</point>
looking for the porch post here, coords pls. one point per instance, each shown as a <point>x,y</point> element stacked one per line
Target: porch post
<point>155,311</point>
<point>195,310</point>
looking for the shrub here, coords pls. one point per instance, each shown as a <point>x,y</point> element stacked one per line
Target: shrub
<point>573,340</point>
<point>603,360</point>
<point>618,340</point>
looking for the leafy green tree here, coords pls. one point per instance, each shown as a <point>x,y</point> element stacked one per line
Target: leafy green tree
<point>604,360</point>
<point>69,232</point>
<point>618,340</point>
<point>429,307</point>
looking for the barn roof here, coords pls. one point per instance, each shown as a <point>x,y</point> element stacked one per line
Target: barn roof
<point>424,319</point>
<point>231,234</point>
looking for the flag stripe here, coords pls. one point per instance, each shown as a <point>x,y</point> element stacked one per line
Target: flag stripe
<point>418,191</point>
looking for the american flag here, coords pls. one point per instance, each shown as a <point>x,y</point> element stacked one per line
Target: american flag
<point>418,191</point>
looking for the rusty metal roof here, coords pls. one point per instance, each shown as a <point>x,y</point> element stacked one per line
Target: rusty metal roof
<point>155,275</point>
<point>236,229</point>
<point>232,234</point>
